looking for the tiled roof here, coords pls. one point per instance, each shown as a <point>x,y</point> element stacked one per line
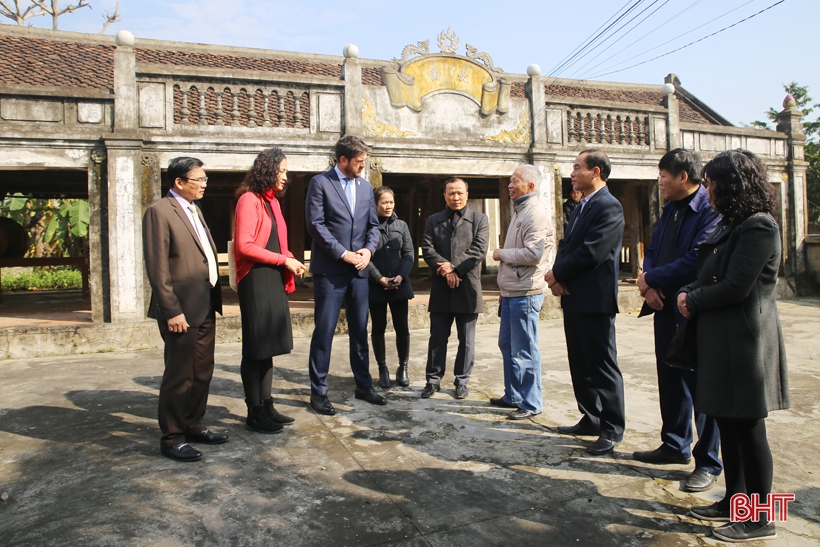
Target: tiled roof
<point>371,76</point>
<point>52,63</point>
<point>209,60</point>
<point>686,111</point>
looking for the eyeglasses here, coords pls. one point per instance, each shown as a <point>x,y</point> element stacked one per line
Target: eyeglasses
<point>200,182</point>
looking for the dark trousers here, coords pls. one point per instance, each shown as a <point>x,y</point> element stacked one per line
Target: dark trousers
<point>593,366</point>
<point>330,294</point>
<point>676,392</point>
<point>440,328</point>
<point>189,367</point>
<point>398,311</point>
<point>747,458</point>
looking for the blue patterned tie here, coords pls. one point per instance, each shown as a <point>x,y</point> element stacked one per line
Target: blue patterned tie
<point>349,192</point>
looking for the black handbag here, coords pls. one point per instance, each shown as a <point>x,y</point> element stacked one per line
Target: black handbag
<point>683,349</point>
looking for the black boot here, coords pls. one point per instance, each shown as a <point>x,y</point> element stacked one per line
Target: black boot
<point>274,414</point>
<point>403,347</point>
<point>378,351</point>
<point>258,421</point>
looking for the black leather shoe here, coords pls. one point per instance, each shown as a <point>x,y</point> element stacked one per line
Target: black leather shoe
<point>206,437</point>
<point>520,414</point>
<point>602,446</point>
<point>384,376</point>
<point>275,415</point>
<point>321,405</point>
<point>581,428</point>
<point>710,512</point>
<point>499,401</point>
<point>699,481</point>
<point>183,452</point>
<point>660,456</point>
<point>736,532</point>
<point>367,394</point>
<point>402,377</point>
<point>462,392</point>
<point>428,390</point>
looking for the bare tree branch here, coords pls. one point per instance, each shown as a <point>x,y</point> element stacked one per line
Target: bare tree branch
<point>111,18</point>
<point>54,9</point>
<point>18,15</point>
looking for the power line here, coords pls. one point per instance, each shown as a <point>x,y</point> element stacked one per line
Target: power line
<point>592,38</point>
<point>619,29</point>
<point>689,7</point>
<point>687,45</point>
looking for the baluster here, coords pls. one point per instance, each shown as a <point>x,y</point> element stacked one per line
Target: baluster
<point>600,132</point>
<point>591,132</point>
<point>581,132</point>
<point>631,129</point>
<point>570,127</point>
<point>297,114</point>
<point>251,109</point>
<point>185,112</point>
<point>611,124</point>
<point>281,94</point>
<point>235,110</point>
<point>203,111</point>
<point>646,130</point>
<point>266,111</point>
<point>620,130</point>
<point>219,113</point>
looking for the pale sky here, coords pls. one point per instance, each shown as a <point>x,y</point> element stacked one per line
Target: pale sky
<point>738,72</point>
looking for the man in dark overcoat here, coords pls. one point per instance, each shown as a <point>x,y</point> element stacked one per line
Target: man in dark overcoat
<point>454,246</point>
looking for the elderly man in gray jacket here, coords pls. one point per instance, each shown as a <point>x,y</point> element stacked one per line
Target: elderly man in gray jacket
<point>522,264</point>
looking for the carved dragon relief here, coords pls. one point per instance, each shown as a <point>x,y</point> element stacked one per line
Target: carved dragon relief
<point>376,128</point>
<point>420,73</point>
<point>520,134</point>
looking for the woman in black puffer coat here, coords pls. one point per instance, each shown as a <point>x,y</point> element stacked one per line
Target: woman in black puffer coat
<point>389,273</point>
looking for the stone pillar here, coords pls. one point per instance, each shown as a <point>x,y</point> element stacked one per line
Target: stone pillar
<point>126,107</point>
<point>789,121</point>
<point>534,90</point>
<point>354,92</point>
<point>98,236</point>
<point>549,193</point>
<point>670,101</point>
<point>125,206</point>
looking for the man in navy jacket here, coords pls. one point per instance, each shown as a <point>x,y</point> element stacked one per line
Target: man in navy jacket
<point>341,218</point>
<point>670,263</point>
<point>585,275</point>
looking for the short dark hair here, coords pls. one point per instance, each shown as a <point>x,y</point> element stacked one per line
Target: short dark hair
<point>455,179</point>
<point>178,168</point>
<point>597,158</point>
<point>679,161</point>
<point>379,190</point>
<point>738,184</point>
<point>350,146</point>
<point>262,175</point>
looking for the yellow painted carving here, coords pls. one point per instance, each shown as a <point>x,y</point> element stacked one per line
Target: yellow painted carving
<point>518,135</point>
<point>448,73</point>
<point>376,128</point>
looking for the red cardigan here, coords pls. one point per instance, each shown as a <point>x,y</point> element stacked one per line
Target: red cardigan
<point>251,233</point>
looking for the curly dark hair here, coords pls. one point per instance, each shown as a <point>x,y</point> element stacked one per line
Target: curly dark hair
<point>262,175</point>
<point>738,184</point>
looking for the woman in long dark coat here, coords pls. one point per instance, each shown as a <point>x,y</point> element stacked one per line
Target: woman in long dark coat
<point>265,272</point>
<point>389,273</point>
<point>741,358</point>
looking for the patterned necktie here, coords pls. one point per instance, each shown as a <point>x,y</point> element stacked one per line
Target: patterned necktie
<point>213,273</point>
<point>349,192</point>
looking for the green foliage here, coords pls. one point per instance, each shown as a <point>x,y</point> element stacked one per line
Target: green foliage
<point>811,128</point>
<point>56,227</point>
<point>43,279</point>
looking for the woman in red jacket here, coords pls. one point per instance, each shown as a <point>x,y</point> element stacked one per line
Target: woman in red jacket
<point>265,272</point>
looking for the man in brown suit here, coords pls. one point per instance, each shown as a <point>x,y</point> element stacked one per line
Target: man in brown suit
<point>180,257</point>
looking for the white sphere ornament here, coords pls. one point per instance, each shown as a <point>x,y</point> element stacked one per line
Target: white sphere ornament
<point>668,89</point>
<point>351,51</point>
<point>125,38</point>
<point>533,70</point>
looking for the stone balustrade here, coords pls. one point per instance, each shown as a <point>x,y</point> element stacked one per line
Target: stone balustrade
<point>605,127</point>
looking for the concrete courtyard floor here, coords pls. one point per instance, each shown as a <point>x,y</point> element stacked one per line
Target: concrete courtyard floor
<point>79,459</point>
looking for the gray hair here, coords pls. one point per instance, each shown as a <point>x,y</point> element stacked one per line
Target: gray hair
<point>529,173</point>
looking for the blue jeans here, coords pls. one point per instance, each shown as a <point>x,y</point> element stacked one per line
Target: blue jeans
<point>518,341</point>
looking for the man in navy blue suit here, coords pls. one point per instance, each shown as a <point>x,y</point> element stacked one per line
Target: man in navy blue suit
<point>585,275</point>
<point>341,218</point>
<point>670,263</point>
